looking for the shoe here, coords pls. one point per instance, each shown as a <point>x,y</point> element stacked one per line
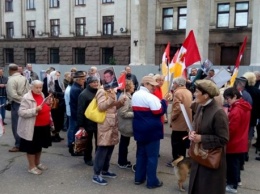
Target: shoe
<point>4,123</point>
<point>58,137</point>
<point>239,183</point>
<point>230,189</point>
<point>89,162</point>
<point>42,167</point>
<point>169,164</point>
<point>139,182</point>
<point>156,186</point>
<point>246,157</point>
<point>55,139</point>
<point>128,165</point>
<point>257,158</point>
<point>99,180</point>
<point>256,145</point>
<point>134,167</point>
<point>14,149</point>
<point>242,167</point>
<point>35,171</point>
<point>108,175</point>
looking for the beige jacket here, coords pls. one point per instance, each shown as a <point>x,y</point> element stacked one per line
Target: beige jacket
<point>108,131</point>
<point>27,116</point>
<point>181,96</point>
<point>16,87</point>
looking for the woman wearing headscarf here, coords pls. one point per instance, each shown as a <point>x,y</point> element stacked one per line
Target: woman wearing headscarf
<point>34,126</point>
<point>211,130</point>
<point>55,87</point>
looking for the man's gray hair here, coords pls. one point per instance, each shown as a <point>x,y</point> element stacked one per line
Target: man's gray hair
<point>13,67</point>
<point>180,81</point>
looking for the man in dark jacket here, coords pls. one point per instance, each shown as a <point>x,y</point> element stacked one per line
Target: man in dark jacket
<point>76,88</point>
<point>3,96</point>
<point>85,97</point>
<point>131,76</point>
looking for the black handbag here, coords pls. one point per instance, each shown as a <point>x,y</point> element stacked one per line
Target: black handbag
<point>8,106</point>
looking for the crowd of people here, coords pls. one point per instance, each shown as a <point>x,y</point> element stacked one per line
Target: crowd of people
<point>223,118</point>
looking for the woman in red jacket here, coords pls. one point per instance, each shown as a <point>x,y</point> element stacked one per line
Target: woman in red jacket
<point>239,119</point>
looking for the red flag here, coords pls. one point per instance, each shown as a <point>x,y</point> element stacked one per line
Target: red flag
<point>188,55</point>
<point>239,57</point>
<point>121,81</point>
<point>166,55</point>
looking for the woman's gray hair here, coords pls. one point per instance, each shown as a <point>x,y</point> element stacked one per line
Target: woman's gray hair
<point>36,82</point>
<point>180,81</point>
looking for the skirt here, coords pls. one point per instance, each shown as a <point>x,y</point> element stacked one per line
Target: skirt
<point>41,139</point>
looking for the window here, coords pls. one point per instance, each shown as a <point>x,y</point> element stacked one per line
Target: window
<point>31,29</point>
<point>54,3</point>
<point>167,18</point>
<point>107,1</point>
<point>55,27</point>
<point>107,55</point>
<point>54,55</point>
<point>182,17</point>
<point>229,55</point>
<point>30,55</point>
<point>241,14</point>
<point>9,29</point>
<point>80,2</point>
<point>223,15</point>
<point>9,55</point>
<point>30,4</point>
<point>8,5</point>
<point>79,56</point>
<point>108,25</point>
<point>80,26</point>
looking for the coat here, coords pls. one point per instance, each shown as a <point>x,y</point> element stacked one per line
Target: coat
<point>214,133</point>
<point>27,116</point>
<point>125,117</point>
<point>181,96</point>
<point>108,131</point>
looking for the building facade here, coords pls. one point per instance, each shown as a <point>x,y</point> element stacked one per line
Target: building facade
<point>122,32</point>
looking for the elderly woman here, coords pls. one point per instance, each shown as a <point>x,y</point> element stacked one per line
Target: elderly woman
<point>107,136</point>
<point>34,126</point>
<point>211,130</point>
<point>125,119</point>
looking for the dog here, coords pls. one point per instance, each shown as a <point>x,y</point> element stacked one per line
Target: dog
<point>182,168</point>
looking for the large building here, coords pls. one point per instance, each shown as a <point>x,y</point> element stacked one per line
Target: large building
<point>122,32</point>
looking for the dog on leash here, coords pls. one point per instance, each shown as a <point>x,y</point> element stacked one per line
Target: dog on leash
<point>181,169</point>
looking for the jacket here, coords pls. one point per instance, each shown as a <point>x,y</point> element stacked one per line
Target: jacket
<point>125,117</point>
<point>239,120</point>
<point>107,131</point>
<point>181,96</point>
<point>148,109</point>
<point>75,91</point>
<point>3,80</point>
<point>214,133</point>
<point>16,87</point>
<point>85,97</point>
<point>27,116</point>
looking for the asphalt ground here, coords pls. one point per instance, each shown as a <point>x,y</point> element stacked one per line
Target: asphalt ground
<point>67,174</point>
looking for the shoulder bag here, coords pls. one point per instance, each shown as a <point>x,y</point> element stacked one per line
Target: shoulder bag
<point>93,113</point>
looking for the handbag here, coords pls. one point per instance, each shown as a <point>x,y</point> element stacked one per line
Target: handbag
<point>8,106</point>
<point>93,113</point>
<point>80,141</point>
<point>54,103</point>
<point>208,158</point>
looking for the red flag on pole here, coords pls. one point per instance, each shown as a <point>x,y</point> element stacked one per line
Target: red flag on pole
<point>239,57</point>
<point>121,81</point>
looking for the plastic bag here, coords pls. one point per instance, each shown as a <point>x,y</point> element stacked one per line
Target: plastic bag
<point>80,143</point>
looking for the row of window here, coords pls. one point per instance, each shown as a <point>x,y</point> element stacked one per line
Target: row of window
<point>54,55</point>
<point>223,15</point>
<point>80,27</point>
<point>30,4</point>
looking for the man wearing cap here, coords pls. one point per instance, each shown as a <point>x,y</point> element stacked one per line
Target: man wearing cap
<point>148,130</point>
<point>85,97</point>
<point>76,88</point>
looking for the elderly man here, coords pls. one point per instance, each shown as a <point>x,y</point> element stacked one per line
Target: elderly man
<point>178,124</point>
<point>79,79</point>
<point>131,76</point>
<point>30,74</point>
<point>16,87</point>
<point>148,130</point>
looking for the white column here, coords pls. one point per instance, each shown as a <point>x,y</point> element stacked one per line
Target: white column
<point>143,32</point>
<point>198,18</point>
<point>255,43</point>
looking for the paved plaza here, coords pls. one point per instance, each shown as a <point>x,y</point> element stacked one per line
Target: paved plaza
<point>67,174</point>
